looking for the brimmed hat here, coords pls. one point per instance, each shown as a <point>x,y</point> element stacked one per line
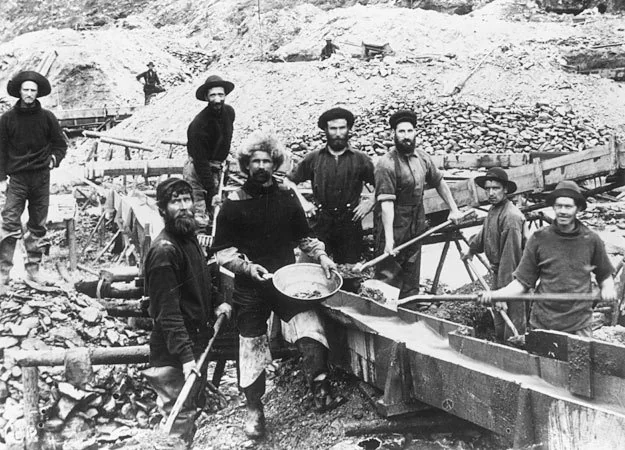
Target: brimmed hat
<point>164,186</point>
<point>333,114</point>
<point>15,84</point>
<point>570,189</point>
<point>211,82</point>
<point>150,64</point>
<point>497,174</point>
<point>403,115</point>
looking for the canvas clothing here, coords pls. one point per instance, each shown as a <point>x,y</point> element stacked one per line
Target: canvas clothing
<point>178,283</point>
<point>563,262</point>
<point>502,239</point>
<point>337,184</point>
<point>403,179</point>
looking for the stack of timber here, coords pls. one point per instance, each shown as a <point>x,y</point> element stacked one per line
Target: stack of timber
<point>562,393</point>
<point>93,117</point>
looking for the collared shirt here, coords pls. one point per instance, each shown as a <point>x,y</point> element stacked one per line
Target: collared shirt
<point>403,178</point>
<point>337,181</point>
<point>501,239</point>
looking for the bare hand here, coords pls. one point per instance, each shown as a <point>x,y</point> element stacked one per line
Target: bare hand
<point>309,209</point>
<point>485,298</point>
<point>258,272</point>
<point>388,247</point>
<point>224,309</point>
<point>328,265</point>
<point>3,186</point>
<point>362,210</point>
<point>468,256</point>
<point>217,200</point>
<point>608,293</point>
<point>501,306</point>
<point>187,368</point>
<point>456,216</point>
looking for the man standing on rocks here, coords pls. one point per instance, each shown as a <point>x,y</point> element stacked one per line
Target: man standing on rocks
<point>401,176</point>
<point>208,144</point>
<point>178,283</point>
<point>151,83</point>
<point>257,229</point>
<point>562,256</point>
<point>337,173</point>
<point>501,239</point>
<point>31,145</point>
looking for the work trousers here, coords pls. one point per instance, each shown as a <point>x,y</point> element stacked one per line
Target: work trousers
<point>32,187</point>
<point>204,188</point>
<point>341,235</point>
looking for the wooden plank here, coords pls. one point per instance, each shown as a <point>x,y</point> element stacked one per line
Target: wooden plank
<point>488,160</point>
<point>580,366</point>
<point>73,114</point>
<point>149,168</point>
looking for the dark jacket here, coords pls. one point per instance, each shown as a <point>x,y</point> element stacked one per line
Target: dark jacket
<point>178,283</point>
<point>208,138</point>
<point>29,137</point>
<point>150,77</point>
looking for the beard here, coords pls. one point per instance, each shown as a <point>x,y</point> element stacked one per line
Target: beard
<point>260,176</point>
<point>181,226</point>
<point>337,143</point>
<point>216,106</point>
<point>405,146</point>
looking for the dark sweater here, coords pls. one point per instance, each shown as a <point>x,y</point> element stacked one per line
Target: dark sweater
<point>563,262</point>
<point>265,224</point>
<point>28,139</point>
<point>208,138</point>
<point>178,283</point>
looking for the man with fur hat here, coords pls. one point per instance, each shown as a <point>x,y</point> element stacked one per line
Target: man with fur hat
<point>562,256</point>
<point>257,229</point>
<point>338,173</point>
<point>151,83</point>
<point>401,177</point>
<point>178,283</point>
<point>31,145</point>
<point>501,239</point>
<point>208,143</point>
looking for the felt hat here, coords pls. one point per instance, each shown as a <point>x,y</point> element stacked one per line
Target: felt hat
<point>497,174</point>
<point>15,84</point>
<point>164,186</point>
<point>333,114</point>
<point>211,82</point>
<point>402,116</point>
<point>150,64</point>
<point>567,188</point>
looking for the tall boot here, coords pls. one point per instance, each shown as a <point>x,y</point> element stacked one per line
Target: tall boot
<point>315,366</point>
<point>255,421</point>
<point>7,250</point>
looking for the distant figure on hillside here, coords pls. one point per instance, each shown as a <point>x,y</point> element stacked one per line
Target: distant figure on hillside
<point>151,83</point>
<point>31,145</point>
<point>329,49</point>
<point>208,144</point>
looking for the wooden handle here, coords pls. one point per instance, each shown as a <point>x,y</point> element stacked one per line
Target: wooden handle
<point>563,297</point>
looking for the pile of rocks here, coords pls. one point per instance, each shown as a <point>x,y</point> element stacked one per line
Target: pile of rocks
<point>454,126</point>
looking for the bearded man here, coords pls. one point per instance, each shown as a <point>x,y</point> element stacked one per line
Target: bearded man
<point>178,284</point>
<point>401,177</point>
<point>258,227</point>
<point>209,137</point>
<point>337,173</point>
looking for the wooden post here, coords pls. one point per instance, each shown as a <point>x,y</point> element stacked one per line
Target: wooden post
<point>30,378</point>
<point>439,269</point>
<point>70,225</point>
<point>466,266</point>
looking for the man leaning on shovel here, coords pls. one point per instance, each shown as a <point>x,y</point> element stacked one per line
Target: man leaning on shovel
<point>178,283</point>
<point>501,239</point>
<point>563,256</point>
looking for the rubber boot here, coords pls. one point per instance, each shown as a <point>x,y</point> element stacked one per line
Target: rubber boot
<point>315,366</point>
<point>255,421</point>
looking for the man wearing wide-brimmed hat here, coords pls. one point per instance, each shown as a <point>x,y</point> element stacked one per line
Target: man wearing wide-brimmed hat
<point>563,256</point>
<point>208,143</point>
<point>151,82</point>
<point>31,144</point>
<point>501,239</point>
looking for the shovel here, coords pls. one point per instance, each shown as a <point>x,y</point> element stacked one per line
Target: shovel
<point>560,297</point>
<point>193,376</point>
<point>391,292</point>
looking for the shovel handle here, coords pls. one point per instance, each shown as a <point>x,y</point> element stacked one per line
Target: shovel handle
<point>559,297</point>
<point>190,381</point>
<point>412,241</point>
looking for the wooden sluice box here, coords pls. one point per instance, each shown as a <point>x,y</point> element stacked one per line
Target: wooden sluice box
<point>566,392</point>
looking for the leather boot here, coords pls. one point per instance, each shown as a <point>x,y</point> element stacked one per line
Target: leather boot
<point>255,421</point>
<point>323,398</point>
<point>33,274</point>
<point>4,283</point>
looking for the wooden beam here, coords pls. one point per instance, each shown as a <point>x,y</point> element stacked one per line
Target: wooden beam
<point>146,168</point>
<point>96,134</point>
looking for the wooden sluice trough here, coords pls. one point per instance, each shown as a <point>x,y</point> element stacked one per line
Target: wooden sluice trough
<point>566,392</point>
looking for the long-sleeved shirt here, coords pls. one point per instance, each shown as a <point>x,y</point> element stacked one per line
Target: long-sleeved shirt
<point>336,181</point>
<point>150,77</point>
<point>563,262</point>
<point>501,239</point>
<point>29,139</point>
<point>178,283</point>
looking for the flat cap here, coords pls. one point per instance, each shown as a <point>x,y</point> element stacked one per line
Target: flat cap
<point>164,186</point>
<point>402,115</point>
<point>333,114</point>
